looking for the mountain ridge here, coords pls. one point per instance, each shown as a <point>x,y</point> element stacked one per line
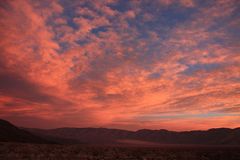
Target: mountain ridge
<point>218,136</point>
<point>11,133</point>
<point>70,135</point>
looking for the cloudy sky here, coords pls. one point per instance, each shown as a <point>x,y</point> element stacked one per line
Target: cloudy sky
<point>172,64</point>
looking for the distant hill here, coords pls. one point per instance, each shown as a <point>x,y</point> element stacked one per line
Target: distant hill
<point>11,133</point>
<point>218,136</point>
<point>82,135</point>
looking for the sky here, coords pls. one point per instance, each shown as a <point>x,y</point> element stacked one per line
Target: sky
<point>155,64</point>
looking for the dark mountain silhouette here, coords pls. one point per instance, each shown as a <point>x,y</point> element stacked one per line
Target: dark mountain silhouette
<point>82,135</point>
<point>218,136</point>
<point>11,133</point>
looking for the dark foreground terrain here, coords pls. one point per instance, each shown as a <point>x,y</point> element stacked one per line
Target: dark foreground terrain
<point>24,151</point>
<point>113,144</point>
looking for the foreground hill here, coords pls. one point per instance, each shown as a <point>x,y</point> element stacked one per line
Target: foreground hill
<point>11,133</point>
<point>219,136</point>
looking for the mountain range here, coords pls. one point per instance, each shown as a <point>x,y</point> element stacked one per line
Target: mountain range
<point>216,136</point>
